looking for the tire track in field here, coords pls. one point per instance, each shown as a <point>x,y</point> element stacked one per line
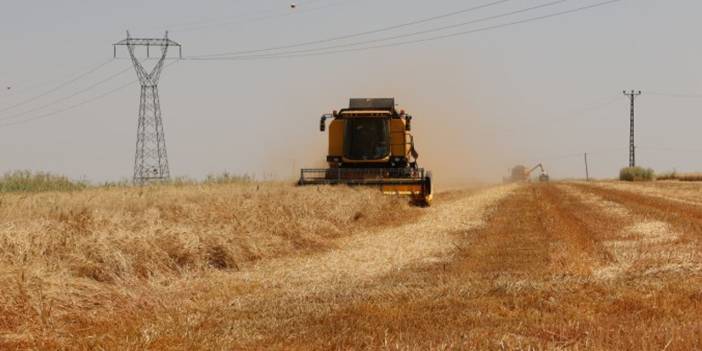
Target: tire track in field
<point>684,216</point>
<point>659,238</point>
<point>542,223</point>
<point>260,299</point>
<point>536,248</point>
<point>579,228</point>
<point>628,232</point>
<point>690,194</point>
<point>367,255</point>
<point>436,305</point>
<point>525,276</point>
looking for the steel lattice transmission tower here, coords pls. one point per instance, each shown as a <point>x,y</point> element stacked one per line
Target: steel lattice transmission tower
<point>151,158</point>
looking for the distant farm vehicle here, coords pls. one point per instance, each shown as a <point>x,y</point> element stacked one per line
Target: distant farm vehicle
<point>520,173</point>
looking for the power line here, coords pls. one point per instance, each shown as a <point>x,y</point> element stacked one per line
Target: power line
<point>595,107</point>
<point>354,35</point>
<point>531,19</point>
<point>57,101</point>
<point>686,96</point>
<point>583,111</point>
<point>438,29</point>
<point>21,89</point>
<point>232,19</point>
<point>49,114</point>
<point>209,24</point>
<point>668,149</point>
<point>579,155</point>
<point>59,86</point>
<point>415,41</point>
<point>77,105</point>
<point>560,117</point>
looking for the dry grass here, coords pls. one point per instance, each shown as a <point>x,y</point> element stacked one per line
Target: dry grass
<point>515,267</point>
<point>509,288</point>
<point>365,256</point>
<point>685,177</point>
<point>642,244</point>
<point>105,251</point>
<point>683,192</point>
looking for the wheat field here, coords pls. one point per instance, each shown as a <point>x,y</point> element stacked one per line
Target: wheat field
<point>250,266</point>
<point>72,260</point>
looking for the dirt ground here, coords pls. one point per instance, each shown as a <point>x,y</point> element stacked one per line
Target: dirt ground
<point>601,266</point>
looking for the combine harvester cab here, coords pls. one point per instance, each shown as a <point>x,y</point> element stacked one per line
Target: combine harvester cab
<point>370,145</point>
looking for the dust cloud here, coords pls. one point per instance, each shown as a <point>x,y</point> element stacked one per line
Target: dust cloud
<point>452,137</point>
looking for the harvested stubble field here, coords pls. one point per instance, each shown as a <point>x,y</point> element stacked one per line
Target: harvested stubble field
<point>269,266</point>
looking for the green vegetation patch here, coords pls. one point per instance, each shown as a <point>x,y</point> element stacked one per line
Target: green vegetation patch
<point>637,174</point>
<point>26,181</point>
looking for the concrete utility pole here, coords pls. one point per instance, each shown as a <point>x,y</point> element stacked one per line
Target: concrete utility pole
<point>632,147</point>
<point>587,171</point>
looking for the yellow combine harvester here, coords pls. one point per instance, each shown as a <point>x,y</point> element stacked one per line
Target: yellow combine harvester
<point>520,173</point>
<point>370,145</point>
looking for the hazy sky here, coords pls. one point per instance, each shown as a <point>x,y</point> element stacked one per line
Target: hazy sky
<point>545,91</point>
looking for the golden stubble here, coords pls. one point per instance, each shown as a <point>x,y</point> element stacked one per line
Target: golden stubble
<point>67,255</point>
<point>252,266</point>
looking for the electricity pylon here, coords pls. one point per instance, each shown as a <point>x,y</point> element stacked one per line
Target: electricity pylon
<point>151,158</point>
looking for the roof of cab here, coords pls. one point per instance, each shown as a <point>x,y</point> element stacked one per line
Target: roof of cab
<point>365,113</point>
